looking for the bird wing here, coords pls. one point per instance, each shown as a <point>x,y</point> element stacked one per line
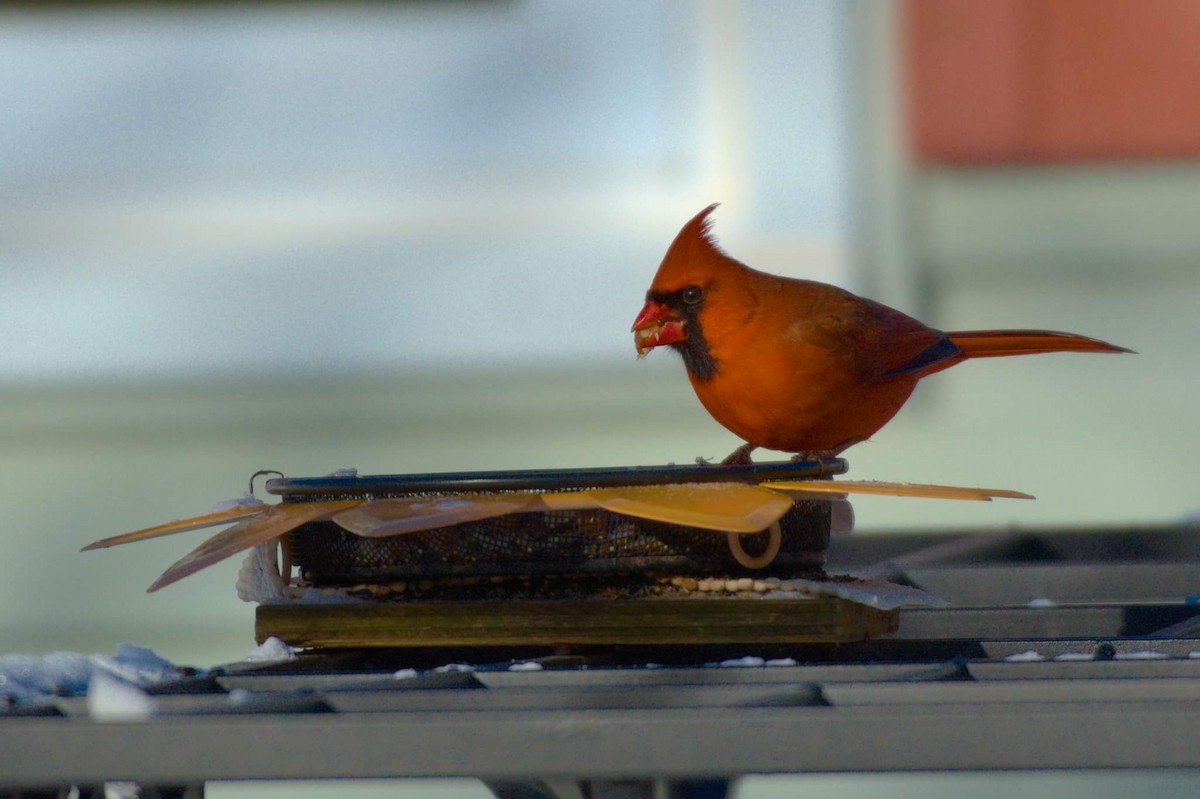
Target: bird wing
<point>878,341</point>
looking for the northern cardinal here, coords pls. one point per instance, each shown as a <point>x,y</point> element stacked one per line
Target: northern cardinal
<point>796,365</point>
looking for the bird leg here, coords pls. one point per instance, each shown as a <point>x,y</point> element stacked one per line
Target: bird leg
<point>740,456</point>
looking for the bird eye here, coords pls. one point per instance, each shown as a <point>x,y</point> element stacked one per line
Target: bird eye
<point>693,294</point>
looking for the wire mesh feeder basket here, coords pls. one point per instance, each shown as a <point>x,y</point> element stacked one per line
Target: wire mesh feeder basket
<point>596,542</point>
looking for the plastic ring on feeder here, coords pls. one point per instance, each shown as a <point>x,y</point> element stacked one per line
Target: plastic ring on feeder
<point>756,561</point>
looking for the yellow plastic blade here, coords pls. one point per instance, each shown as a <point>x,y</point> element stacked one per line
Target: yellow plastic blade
<point>274,522</point>
<point>883,488</point>
<point>725,507</point>
<point>388,517</point>
<point>224,516</point>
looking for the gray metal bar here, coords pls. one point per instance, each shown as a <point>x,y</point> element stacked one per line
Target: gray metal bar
<point>671,743</point>
<point>1060,582</point>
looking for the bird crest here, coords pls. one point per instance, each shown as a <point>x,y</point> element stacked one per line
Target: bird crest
<point>693,257</point>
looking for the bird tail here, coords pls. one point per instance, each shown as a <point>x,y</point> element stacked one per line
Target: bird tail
<point>994,343</point>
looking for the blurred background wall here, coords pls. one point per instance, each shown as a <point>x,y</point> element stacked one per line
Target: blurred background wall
<point>412,236</point>
<point>391,236</point>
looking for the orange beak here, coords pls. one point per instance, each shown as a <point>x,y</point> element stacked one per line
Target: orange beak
<point>655,326</point>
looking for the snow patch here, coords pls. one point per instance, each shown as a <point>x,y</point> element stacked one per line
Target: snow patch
<point>454,667</point>
<point>749,661</point>
<point>259,580</point>
<point>246,501</point>
<point>30,678</point>
<point>272,650</point>
<point>112,699</point>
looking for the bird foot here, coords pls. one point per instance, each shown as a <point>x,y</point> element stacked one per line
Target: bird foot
<point>740,456</point>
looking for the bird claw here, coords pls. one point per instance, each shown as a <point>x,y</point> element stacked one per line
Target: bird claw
<point>813,455</point>
<point>741,455</point>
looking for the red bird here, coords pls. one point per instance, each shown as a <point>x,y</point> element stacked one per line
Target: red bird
<point>796,365</point>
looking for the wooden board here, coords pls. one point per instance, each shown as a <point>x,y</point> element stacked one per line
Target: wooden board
<point>579,622</point>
